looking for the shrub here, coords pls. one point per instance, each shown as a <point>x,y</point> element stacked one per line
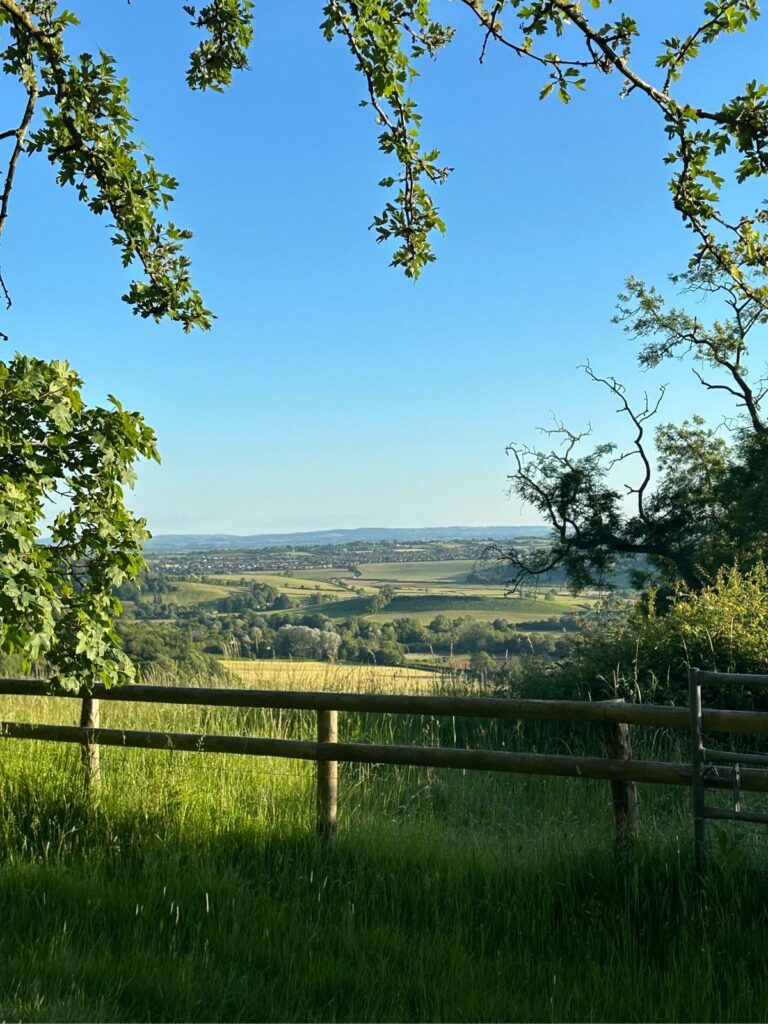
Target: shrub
<point>641,653</point>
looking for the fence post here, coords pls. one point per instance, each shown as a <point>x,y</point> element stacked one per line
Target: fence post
<point>626,816</point>
<point>89,719</point>
<point>327,777</point>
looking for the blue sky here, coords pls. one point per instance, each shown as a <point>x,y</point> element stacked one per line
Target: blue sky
<point>331,390</point>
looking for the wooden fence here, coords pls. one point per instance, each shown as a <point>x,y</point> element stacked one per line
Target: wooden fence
<point>618,768</point>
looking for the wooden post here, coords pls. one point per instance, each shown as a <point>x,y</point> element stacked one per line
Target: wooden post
<point>89,719</point>
<point>697,768</point>
<point>626,817</point>
<point>327,777</point>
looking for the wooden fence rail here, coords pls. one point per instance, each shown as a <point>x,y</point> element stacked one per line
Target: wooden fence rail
<point>619,767</point>
<point>601,712</point>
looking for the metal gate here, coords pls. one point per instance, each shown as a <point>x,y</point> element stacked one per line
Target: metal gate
<point>709,765</point>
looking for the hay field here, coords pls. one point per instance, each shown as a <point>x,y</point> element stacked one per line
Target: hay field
<point>278,674</point>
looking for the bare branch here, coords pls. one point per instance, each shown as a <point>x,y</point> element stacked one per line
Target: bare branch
<point>638,419</point>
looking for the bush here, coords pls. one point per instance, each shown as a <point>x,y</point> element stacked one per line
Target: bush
<point>640,653</point>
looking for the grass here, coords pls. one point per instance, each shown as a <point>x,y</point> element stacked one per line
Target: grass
<point>291,585</point>
<point>423,590</point>
<point>315,675</point>
<point>192,887</point>
<point>450,570</point>
<point>426,606</point>
<point>188,594</point>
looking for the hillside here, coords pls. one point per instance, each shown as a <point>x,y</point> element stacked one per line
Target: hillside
<point>234,542</point>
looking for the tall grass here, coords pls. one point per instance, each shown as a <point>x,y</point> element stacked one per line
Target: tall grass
<point>192,886</point>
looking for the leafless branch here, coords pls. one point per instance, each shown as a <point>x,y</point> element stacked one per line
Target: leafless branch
<point>638,419</point>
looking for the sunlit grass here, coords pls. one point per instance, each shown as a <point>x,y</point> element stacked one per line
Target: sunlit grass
<point>277,674</point>
<point>192,887</point>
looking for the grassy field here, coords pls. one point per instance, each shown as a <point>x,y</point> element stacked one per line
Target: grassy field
<point>317,675</point>
<point>293,586</point>
<point>188,594</point>
<point>425,607</point>
<point>423,590</point>
<point>450,571</point>
<point>192,886</point>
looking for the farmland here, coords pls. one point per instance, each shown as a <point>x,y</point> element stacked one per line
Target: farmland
<point>453,570</point>
<point>444,586</point>
<point>311,675</point>
<point>428,599</point>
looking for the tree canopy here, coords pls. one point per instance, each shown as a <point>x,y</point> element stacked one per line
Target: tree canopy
<point>62,460</point>
<point>75,109</point>
<point>697,499</point>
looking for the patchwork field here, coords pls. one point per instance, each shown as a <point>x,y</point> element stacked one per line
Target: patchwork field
<point>293,586</point>
<point>421,590</point>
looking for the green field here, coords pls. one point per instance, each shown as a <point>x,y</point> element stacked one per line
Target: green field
<point>324,575</point>
<point>291,585</point>
<point>192,888</point>
<point>512,609</point>
<point>188,594</point>
<point>422,591</point>
<point>452,571</point>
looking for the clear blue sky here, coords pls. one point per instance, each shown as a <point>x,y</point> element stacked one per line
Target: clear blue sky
<point>332,391</point>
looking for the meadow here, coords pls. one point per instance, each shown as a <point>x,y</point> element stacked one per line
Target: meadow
<point>192,887</point>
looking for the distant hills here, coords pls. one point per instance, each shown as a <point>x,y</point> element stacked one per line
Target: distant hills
<point>232,542</point>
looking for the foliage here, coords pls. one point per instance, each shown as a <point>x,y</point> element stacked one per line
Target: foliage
<point>88,128</point>
<point>56,455</point>
<point>633,651</point>
<point>87,133</point>
<point>698,500</point>
<point>61,458</point>
<point>307,642</point>
<point>709,148</point>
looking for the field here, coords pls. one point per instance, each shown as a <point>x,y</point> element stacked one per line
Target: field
<point>317,675</point>
<point>421,591</point>
<point>188,594</point>
<point>293,586</point>
<point>514,609</point>
<point>192,887</point>
<point>449,571</point>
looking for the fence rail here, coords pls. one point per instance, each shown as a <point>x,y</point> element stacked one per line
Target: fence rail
<point>512,709</point>
<point>619,768</point>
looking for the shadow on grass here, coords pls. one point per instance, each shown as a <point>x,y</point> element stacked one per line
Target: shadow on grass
<point>110,914</point>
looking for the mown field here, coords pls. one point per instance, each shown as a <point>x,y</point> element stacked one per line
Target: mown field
<point>425,607</point>
<point>450,571</point>
<point>192,886</point>
<point>188,594</point>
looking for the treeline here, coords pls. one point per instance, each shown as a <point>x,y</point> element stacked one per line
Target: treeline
<point>195,634</point>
